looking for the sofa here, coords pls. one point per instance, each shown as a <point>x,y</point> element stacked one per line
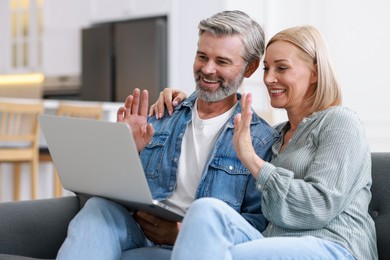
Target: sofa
<point>36,229</point>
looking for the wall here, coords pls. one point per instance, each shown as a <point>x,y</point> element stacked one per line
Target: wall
<point>359,40</point>
<point>62,22</point>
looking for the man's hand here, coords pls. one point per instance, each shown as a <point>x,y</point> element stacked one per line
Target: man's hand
<point>156,229</point>
<point>170,98</point>
<point>134,113</point>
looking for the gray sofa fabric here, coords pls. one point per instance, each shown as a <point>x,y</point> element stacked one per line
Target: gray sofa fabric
<point>380,203</point>
<point>36,229</point>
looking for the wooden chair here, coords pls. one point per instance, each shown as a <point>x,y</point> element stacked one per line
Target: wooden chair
<point>19,140</point>
<point>80,110</point>
<point>92,111</point>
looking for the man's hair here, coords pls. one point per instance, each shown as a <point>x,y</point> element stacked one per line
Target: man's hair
<point>237,23</point>
<point>327,92</point>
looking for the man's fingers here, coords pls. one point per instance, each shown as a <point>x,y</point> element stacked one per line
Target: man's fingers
<point>129,101</point>
<point>149,133</point>
<point>120,114</point>
<point>143,109</point>
<point>136,101</point>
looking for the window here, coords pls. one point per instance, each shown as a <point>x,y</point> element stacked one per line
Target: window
<point>26,39</point>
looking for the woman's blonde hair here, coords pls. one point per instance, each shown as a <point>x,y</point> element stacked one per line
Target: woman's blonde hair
<point>327,93</point>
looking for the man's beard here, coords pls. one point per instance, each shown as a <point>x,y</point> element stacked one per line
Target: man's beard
<point>225,90</point>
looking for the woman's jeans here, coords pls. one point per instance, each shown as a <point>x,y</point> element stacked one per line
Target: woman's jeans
<point>213,230</point>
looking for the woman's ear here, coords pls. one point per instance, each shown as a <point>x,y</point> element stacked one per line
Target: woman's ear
<point>314,75</point>
<point>251,67</point>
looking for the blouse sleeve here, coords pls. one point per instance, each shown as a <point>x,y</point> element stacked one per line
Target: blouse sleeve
<point>337,165</point>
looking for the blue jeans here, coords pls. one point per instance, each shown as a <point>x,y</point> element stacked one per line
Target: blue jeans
<point>101,230</point>
<point>212,230</point>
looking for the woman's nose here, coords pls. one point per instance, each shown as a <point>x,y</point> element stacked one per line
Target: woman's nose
<point>269,78</point>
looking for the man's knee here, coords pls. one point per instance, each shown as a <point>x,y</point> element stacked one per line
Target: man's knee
<point>99,208</point>
<point>101,204</point>
<point>97,202</point>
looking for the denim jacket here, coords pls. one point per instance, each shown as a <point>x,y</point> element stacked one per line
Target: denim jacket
<point>224,176</point>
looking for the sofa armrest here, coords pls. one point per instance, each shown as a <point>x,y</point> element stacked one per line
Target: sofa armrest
<point>36,228</point>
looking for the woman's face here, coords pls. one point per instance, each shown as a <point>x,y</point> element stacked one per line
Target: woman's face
<point>289,78</point>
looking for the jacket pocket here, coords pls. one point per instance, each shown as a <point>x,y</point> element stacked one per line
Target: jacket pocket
<point>227,180</point>
<point>152,156</point>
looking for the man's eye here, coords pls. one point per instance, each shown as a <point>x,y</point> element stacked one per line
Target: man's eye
<point>282,68</point>
<point>202,57</point>
<point>266,69</point>
<point>222,62</point>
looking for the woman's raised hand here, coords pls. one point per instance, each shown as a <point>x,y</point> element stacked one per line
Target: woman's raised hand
<point>242,140</point>
<point>168,98</point>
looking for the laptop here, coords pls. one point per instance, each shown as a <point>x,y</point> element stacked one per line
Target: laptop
<point>100,158</point>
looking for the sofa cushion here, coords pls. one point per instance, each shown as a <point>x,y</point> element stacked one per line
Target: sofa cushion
<point>147,253</point>
<point>35,228</point>
<point>17,257</point>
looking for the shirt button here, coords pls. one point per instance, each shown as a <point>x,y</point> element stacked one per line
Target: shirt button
<point>304,120</point>
<point>230,167</point>
<point>259,186</point>
<point>170,188</point>
<point>175,159</point>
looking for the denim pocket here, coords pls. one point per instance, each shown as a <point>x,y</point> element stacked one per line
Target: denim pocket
<point>227,180</point>
<point>152,156</point>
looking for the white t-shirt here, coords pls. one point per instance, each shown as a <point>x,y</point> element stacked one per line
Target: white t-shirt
<point>198,140</point>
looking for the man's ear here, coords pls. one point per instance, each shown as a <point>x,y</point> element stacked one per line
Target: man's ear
<point>251,67</point>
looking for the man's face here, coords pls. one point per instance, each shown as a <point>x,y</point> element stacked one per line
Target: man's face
<point>218,67</point>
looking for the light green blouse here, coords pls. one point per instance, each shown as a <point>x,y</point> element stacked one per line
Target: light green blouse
<point>320,184</point>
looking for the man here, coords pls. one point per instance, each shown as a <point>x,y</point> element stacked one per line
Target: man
<point>189,154</point>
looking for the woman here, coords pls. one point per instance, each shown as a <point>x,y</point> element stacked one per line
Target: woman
<point>316,189</point>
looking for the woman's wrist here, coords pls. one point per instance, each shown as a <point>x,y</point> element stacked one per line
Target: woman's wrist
<point>254,165</point>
